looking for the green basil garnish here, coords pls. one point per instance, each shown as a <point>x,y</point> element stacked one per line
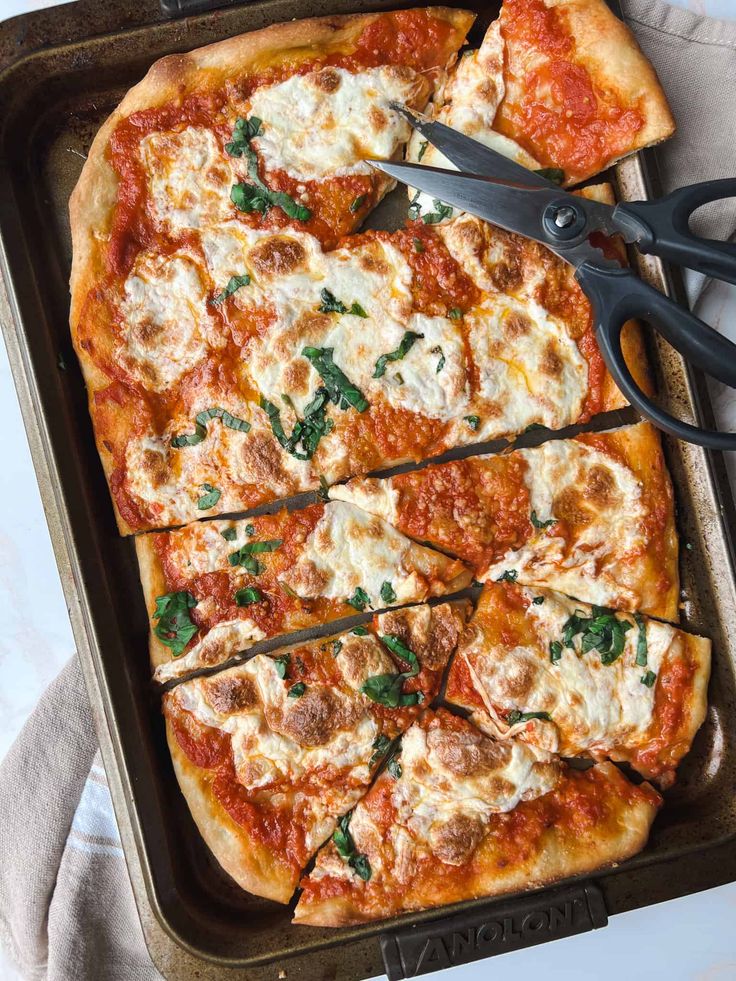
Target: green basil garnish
<point>422,149</point>
<point>339,387</point>
<point>359,631</point>
<point>642,648</point>
<point>414,207</point>
<point>386,689</point>
<point>244,556</point>
<point>538,600</point>
<point>541,524</point>
<point>330,304</point>
<point>257,197</point>
<point>233,285</point>
<point>441,212</point>
<point>441,362</point>
<point>247,596</point>
<point>380,745</point>
<point>243,133</point>
<point>510,575</point>
<point>555,651</point>
<point>210,497</point>
<point>346,848</point>
<point>174,628</point>
<point>387,592</point>
<point>336,647</point>
<point>394,768</point>
<point>229,534</point>
<point>200,426</point>
<point>455,313</point>
<point>324,489</point>
<point>473,422</point>
<point>357,203</point>
<point>407,343</point>
<point>648,679</point>
<point>398,647</point>
<point>307,432</point>
<point>553,174</point>
<point>282,665</point>
<point>359,600</point>
<point>516,716</point>
<point>419,246</point>
<point>602,631</point>
<point>297,690</point>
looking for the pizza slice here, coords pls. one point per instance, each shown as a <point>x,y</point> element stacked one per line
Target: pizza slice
<point>215,588</point>
<point>271,753</point>
<point>457,816</point>
<point>559,86</point>
<point>582,680</point>
<point>591,516</point>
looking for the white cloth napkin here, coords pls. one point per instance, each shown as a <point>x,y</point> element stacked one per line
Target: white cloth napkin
<point>66,904</point>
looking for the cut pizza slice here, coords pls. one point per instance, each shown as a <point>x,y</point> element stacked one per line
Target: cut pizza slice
<point>582,680</point>
<point>271,753</point>
<point>215,588</point>
<point>559,86</point>
<point>591,516</point>
<point>457,816</point>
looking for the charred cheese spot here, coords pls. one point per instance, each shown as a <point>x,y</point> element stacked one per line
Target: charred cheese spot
<point>307,580</point>
<point>362,657</point>
<point>328,80</point>
<point>552,364</point>
<point>432,633</point>
<point>517,324</point>
<point>454,841</point>
<point>313,719</point>
<point>569,506</point>
<point>467,753</point>
<point>230,693</point>
<point>277,256</point>
<point>600,487</point>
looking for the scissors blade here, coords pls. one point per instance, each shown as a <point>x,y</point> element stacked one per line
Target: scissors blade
<point>468,154</point>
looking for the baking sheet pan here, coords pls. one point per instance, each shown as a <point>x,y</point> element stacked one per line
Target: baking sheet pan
<point>52,100</point>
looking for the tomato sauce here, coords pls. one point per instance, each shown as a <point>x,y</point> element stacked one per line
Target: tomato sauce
<point>671,702</point>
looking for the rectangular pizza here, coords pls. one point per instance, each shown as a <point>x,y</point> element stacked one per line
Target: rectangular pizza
<point>270,754</point>
<point>582,680</point>
<point>591,516</point>
<point>216,588</point>
<point>459,816</point>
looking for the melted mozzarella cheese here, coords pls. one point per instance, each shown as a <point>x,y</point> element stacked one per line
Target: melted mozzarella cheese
<point>348,549</point>
<point>167,329</point>
<point>189,178</point>
<point>370,494</point>
<point>529,368</point>
<point>593,564</point>
<point>468,103</point>
<point>229,636</point>
<point>327,122</point>
<point>595,706</point>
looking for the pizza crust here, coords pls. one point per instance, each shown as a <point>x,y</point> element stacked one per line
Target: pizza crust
<point>153,582</point>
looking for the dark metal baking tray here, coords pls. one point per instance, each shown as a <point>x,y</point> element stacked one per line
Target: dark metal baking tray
<point>63,70</point>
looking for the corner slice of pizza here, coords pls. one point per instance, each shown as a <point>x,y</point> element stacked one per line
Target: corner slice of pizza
<point>271,753</point>
<point>591,516</point>
<point>216,588</point>
<point>582,680</point>
<point>559,86</point>
<point>457,815</point>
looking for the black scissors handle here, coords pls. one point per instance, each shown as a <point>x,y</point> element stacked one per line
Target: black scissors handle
<point>662,228</point>
<point>618,295</point>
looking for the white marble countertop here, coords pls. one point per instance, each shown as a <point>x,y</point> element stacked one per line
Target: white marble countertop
<point>691,939</point>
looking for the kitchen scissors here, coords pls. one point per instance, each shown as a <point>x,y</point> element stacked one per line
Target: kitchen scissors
<point>503,192</point>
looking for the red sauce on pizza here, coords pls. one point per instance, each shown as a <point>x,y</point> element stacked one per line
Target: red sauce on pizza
<point>671,704</point>
<point>556,110</point>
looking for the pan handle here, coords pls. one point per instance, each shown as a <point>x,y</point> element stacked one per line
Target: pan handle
<point>497,928</point>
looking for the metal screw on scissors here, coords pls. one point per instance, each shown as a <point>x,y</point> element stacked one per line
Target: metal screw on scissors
<point>503,192</point>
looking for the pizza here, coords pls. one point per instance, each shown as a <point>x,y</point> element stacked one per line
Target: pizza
<point>229,337</point>
<point>592,516</point>
<point>215,588</point>
<point>458,816</point>
<point>582,680</point>
<point>559,86</point>
<point>271,753</point>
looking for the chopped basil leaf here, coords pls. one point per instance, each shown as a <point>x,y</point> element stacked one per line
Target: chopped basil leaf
<point>336,647</point>
<point>394,768</point>
<point>553,174</point>
<point>473,422</point>
<point>407,342</point>
<point>398,647</point>
<point>397,378</point>
<point>339,387</point>
<point>602,631</point>
<point>346,848</point>
<point>555,651</point>
<point>516,716</point>
<point>331,304</point>
<point>200,426</point>
<point>307,432</point>
<point>233,285</point>
<point>441,362</point>
<point>386,690</point>
<point>541,524</point>
<point>414,207</point>
<point>243,133</point>
<point>641,641</point>
<point>324,489</point>
<point>422,149</point>
<point>297,690</point>
<point>510,575</point>
<point>229,534</point>
<point>357,203</point>
<point>244,597</point>
<point>533,426</point>
<point>282,665</point>
<point>419,245</point>
<point>538,600</point>
<point>359,600</point>
<point>257,197</point>
<point>359,631</point>
<point>648,679</point>
<point>441,212</point>
<point>244,555</point>
<point>455,313</point>
<point>380,745</point>
<point>174,628</point>
<point>250,530</point>
<point>387,592</point>
<point>210,497</point>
